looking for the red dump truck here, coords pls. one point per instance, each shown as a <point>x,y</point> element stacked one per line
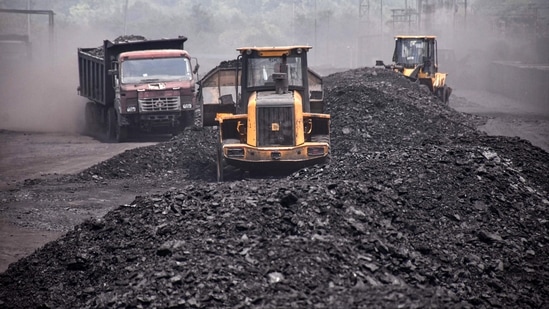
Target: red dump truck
<point>136,86</point>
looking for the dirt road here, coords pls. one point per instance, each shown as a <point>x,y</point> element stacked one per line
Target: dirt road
<point>506,117</point>
<point>29,155</point>
<point>25,156</point>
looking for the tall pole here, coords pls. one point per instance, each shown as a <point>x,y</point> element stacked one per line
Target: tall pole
<point>315,47</point>
<point>125,16</point>
<point>28,21</point>
<point>454,7</point>
<point>293,22</point>
<point>381,18</point>
<point>465,16</point>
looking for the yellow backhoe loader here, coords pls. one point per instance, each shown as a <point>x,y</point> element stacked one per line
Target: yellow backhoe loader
<point>416,58</point>
<point>269,108</point>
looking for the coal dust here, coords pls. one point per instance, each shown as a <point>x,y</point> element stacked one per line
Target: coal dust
<point>39,81</point>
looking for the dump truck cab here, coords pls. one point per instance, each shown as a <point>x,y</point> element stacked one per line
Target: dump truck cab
<point>277,120</point>
<point>136,86</point>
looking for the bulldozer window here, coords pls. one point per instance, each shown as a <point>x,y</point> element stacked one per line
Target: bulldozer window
<point>411,52</point>
<point>260,71</point>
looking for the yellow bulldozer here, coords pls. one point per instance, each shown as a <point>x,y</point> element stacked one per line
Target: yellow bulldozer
<point>269,110</point>
<point>416,57</point>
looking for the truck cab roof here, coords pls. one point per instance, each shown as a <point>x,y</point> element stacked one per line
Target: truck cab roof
<point>157,53</point>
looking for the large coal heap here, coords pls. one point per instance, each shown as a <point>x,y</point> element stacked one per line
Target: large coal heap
<point>416,209</point>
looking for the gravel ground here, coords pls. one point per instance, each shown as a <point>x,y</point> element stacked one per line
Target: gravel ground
<point>416,209</point>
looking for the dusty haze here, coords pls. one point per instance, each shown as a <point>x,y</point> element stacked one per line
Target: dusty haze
<point>40,94</point>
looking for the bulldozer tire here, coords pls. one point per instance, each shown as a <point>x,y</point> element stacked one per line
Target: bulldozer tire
<point>441,93</point>
<point>220,164</point>
<point>115,132</point>
<point>445,95</point>
<point>448,92</point>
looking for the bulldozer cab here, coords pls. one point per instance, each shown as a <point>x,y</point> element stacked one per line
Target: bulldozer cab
<point>276,121</point>
<point>413,51</point>
<point>228,87</point>
<point>416,58</point>
<point>279,69</point>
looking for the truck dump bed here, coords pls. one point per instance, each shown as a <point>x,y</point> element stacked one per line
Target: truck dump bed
<point>92,74</point>
<point>94,63</point>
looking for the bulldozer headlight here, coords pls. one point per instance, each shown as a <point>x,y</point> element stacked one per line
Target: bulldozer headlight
<point>315,151</point>
<point>235,152</point>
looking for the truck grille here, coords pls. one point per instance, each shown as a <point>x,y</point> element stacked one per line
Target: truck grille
<point>275,126</point>
<point>160,104</point>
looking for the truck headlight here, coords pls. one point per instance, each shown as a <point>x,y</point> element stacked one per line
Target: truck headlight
<point>131,109</point>
<point>187,106</point>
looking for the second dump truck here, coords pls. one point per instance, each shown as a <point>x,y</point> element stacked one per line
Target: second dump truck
<point>269,108</point>
<point>137,86</point>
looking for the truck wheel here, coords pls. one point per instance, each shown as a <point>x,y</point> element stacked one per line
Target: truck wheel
<point>188,119</point>
<point>220,164</point>
<point>115,132</point>
<point>121,134</point>
<point>91,119</point>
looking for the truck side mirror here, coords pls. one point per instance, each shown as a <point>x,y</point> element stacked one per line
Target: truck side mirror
<point>196,66</point>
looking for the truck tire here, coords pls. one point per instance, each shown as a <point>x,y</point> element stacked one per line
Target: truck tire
<point>188,119</point>
<point>91,121</point>
<point>115,132</point>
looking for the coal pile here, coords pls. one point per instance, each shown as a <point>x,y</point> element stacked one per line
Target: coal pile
<point>99,52</point>
<point>416,209</point>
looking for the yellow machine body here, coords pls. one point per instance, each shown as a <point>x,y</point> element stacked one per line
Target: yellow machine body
<point>416,57</point>
<point>278,122</point>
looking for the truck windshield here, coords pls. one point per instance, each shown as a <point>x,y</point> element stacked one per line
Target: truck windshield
<point>156,69</point>
<point>260,71</point>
